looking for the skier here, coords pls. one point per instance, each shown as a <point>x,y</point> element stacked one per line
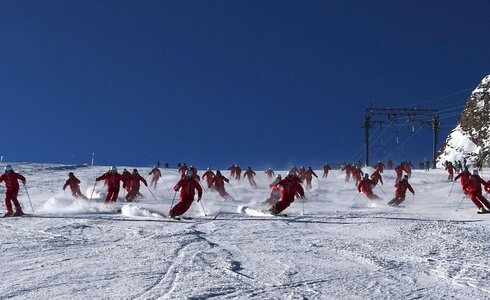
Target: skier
<point>399,171</point>
<point>135,186</point>
<point>194,174</point>
<point>182,169</point>
<point>232,170</point>
<point>74,184</point>
<point>126,180</point>
<point>347,168</point>
<point>473,187</point>
<point>238,172</point>
<point>187,186</point>
<point>450,170</point>
<point>375,178</point>
<point>112,179</point>
<point>291,186</point>
<point>408,168</point>
<point>156,174</point>
<point>275,193</point>
<point>208,176</point>
<point>301,173</point>
<point>12,189</point>
<point>270,173</point>
<point>379,166</point>
<point>356,174</point>
<point>465,175</point>
<point>249,173</point>
<point>326,169</point>
<point>389,164</point>
<point>219,184</point>
<point>401,190</point>
<point>366,187</point>
<point>309,176</point>
<point>426,165</point>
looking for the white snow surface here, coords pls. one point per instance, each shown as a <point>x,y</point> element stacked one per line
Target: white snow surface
<point>458,146</point>
<point>336,245</point>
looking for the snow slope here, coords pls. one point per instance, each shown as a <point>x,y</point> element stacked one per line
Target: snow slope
<point>343,246</point>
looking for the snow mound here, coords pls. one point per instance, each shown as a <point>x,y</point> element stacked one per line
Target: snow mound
<point>132,210</point>
<point>70,205</point>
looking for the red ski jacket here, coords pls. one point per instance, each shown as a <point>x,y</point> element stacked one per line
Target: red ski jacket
<point>375,177</point>
<point>111,179</point>
<point>474,183</point>
<point>11,182</point>
<point>249,174</point>
<point>309,174</point>
<point>291,186</point>
<point>463,175</point>
<point>135,181</point>
<point>365,186</point>
<point>73,182</point>
<point>187,187</point>
<point>219,181</point>
<point>401,188</point>
<point>399,170</point>
<point>208,175</point>
<point>155,172</point>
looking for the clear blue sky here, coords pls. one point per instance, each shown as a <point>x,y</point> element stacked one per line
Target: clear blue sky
<point>260,83</point>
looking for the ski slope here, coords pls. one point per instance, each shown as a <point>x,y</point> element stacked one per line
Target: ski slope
<point>334,246</point>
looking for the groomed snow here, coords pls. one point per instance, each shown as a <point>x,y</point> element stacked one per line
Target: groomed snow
<point>341,246</point>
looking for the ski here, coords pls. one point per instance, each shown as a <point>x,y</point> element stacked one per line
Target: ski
<point>256,212</point>
<point>483,212</point>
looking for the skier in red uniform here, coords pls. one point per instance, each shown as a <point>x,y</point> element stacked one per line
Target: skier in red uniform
<point>309,176</point>
<point>399,171</point>
<point>379,166</point>
<point>389,164</point>
<point>275,193</point>
<point>301,173</point>
<point>219,184</point>
<point>473,186</point>
<point>126,180</point>
<point>155,176</point>
<point>450,170</point>
<point>348,169</point>
<point>12,189</point>
<point>208,176</point>
<point>134,190</point>
<point>356,174</point>
<point>326,169</point>
<point>249,174</point>
<point>74,184</point>
<point>401,190</point>
<point>375,178</point>
<point>291,186</point>
<point>112,179</point>
<point>270,173</point>
<point>365,186</point>
<point>187,186</point>
<point>465,175</point>
<point>232,170</point>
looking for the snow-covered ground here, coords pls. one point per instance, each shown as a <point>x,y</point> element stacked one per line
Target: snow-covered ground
<point>341,247</point>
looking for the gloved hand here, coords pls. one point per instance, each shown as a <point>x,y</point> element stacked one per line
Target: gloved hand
<point>198,199</point>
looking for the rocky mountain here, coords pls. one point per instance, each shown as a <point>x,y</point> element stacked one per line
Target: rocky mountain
<point>471,137</point>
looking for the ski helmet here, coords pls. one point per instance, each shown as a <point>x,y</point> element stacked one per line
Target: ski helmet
<point>291,173</point>
<point>279,176</point>
<point>8,168</point>
<point>135,170</point>
<point>475,172</point>
<point>113,169</point>
<point>70,174</point>
<point>366,175</point>
<point>188,173</point>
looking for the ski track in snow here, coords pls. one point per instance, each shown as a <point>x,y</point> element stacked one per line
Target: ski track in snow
<point>342,247</point>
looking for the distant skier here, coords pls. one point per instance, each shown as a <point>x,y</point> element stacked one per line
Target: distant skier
<point>270,173</point>
<point>74,184</point>
<point>250,174</point>
<point>450,170</point>
<point>112,179</point>
<point>365,186</point>
<point>379,166</point>
<point>348,169</point>
<point>238,172</point>
<point>401,190</point>
<point>134,190</point>
<point>375,178</point>
<point>291,187</point>
<point>427,165</point>
<point>301,173</point>
<point>11,179</point>
<point>275,193</point>
<point>326,169</point>
<point>194,174</point>
<point>465,175</point>
<point>219,184</point>
<point>155,176</point>
<point>474,187</point>
<point>208,176</point>
<point>356,174</point>
<point>389,164</point>
<point>187,186</point>
<point>309,173</point>
<point>232,170</point>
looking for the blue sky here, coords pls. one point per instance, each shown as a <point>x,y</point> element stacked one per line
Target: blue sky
<point>260,83</point>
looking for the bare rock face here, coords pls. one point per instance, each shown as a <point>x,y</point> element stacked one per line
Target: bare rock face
<point>470,139</point>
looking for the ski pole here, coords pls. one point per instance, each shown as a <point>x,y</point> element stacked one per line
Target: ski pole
<point>233,190</point>
<point>172,205</point>
<point>357,195</point>
<point>450,191</point>
<point>203,209</point>
<point>27,193</point>
<point>152,193</point>
<point>303,206</point>
<point>307,189</point>
<point>92,194</point>
<point>461,202</point>
<point>382,190</point>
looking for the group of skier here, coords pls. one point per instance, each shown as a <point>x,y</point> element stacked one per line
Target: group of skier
<point>282,194</point>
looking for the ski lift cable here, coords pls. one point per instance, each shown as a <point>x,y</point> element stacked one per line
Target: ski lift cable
<point>406,140</point>
<point>444,97</point>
